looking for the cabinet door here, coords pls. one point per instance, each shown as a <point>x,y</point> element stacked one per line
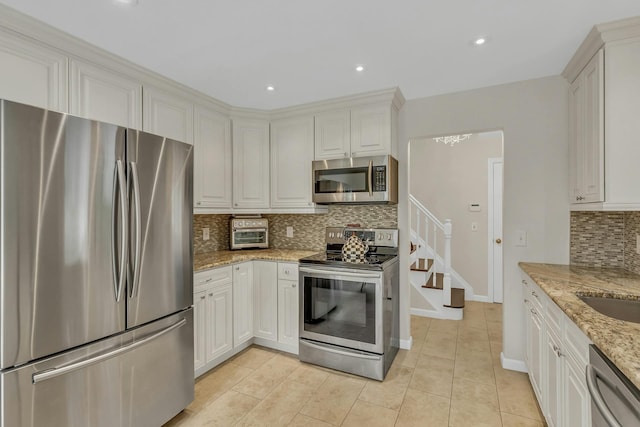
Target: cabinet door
<point>103,95</point>
<point>167,115</point>
<point>587,132</point>
<point>250,163</point>
<point>288,313</point>
<point>199,329</point>
<point>291,157</point>
<point>371,130</point>
<point>333,135</point>
<point>576,398</point>
<point>32,74</point>
<point>212,159</point>
<point>242,303</point>
<point>265,322</point>
<point>536,357</point>
<point>553,376</point>
<point>219,321</point>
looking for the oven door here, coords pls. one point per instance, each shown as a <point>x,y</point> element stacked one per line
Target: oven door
<point>250,238</point>
<point>342,306</point>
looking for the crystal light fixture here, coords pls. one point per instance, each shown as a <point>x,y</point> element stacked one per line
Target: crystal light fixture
<point>452,139</point>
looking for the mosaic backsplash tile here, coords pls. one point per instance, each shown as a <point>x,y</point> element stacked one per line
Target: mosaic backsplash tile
<point>308,229</point>
<point>605,239</point>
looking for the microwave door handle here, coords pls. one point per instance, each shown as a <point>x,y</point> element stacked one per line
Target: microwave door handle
<point>370,176</point>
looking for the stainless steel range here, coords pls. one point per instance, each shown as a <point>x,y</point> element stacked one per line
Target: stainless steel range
<point>349,317</point>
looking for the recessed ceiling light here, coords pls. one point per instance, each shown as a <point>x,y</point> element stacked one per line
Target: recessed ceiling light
<point>270,88</point>
<point>360,68</point>
<point>127,2</point>
<point>480,41</point>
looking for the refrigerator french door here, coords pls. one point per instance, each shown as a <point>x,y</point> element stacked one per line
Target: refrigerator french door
<point>95,249</point>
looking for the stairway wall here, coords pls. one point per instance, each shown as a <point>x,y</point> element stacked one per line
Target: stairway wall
<point>446,179</point>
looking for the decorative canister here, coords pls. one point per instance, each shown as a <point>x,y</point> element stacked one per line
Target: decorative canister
<point>354,249</point>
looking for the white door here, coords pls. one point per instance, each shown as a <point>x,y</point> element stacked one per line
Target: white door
<point>371,130</point>
<point>495,229</point>
<point>288,314</point>
<point>242,303</point>
<point>250,163</point>
<point>333,134</point>
<point>219,321</point>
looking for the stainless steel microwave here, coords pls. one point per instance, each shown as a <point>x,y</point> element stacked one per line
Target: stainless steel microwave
<point>356,180</point>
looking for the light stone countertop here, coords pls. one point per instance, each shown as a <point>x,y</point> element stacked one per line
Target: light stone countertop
<point>618,340</point>
<point>215,259</point>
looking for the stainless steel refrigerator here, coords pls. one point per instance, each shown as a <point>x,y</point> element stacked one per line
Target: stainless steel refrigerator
<point>96,324</point>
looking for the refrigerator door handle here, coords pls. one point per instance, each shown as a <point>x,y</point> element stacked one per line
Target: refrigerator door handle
<point>119,272</point>
<point>138,236</point>
<point>56,372</point>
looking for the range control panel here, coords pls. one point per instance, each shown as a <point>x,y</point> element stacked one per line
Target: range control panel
<point>371,236</point>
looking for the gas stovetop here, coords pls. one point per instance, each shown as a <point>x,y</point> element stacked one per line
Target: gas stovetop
<point>383,249</point>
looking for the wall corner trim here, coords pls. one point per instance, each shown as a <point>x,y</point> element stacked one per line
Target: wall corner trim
<point>513,364</point>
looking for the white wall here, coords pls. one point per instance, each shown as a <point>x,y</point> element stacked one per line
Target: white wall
<point>534,117</point>
<point>446,178</point>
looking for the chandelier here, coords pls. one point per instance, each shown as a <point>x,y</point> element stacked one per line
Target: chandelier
<point>452,139</point>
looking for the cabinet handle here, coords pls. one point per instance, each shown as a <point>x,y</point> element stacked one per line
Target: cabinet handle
<point>210,294</point>
<point>534,294</point>
<point>557,351</point>
<point>286,272</point>
<point>579,198</point>
<point>235,204</point>
<point>293,285</point>
<point>533,311</point>
<point>202,297</point>
<point>524,282</point>
<point>208,280</point>
<point>198,203</point>
<point>237,268</point>
<point>526,301</point>
<point>345,154</point>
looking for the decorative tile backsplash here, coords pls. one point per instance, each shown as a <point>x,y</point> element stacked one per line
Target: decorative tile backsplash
<point>308,229</point>
<point>605,239</point>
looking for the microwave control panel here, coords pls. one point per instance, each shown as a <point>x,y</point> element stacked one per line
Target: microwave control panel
<point>379,178</point>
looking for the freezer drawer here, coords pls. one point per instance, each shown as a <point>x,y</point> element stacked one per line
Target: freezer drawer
<point>140,378</point>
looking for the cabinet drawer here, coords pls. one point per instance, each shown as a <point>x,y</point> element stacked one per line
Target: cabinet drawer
<point>218,276</point>
<point>532,292</point>
<point>287,271</point>
<point>576,343</point>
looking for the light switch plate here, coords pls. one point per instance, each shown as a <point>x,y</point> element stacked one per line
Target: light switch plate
<point>521,238</point>
<point>289,231</point>
<point>205,233</point>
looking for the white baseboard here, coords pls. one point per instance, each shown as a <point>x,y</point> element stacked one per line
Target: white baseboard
<point>478,298</point>
<point>276,345</point>
<point>446,314</point>
<point>406,344</point>
<point>513,364</point>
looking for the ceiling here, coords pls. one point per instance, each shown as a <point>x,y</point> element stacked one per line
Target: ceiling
<point>308,49</point>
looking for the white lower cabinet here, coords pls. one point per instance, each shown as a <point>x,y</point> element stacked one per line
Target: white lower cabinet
<point>557,357</point>
<point>243,289</point>
<point>288,306</point>
<point>265,321</point>
<point>213,321</point>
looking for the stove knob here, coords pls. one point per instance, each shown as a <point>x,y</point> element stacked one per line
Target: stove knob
<point>388,236</point>
<point>380,236</point>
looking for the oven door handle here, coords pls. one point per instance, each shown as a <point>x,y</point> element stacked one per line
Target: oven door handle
<point>339,272</point>
<point>341,352</point>
<point>592,374</point>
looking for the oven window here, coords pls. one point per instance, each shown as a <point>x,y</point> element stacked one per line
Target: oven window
<point>346,180</point>
<point>340,308</point>
<point>241,237</point>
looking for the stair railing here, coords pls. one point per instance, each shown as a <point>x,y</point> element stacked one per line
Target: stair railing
<point>427,227</point>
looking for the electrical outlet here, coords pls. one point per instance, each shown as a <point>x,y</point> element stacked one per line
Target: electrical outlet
<point>289,231</point>
<point>205,233</point>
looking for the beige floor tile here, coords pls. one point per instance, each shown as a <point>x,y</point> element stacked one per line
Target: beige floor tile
<point>479,370</point>
<point>215,383</point>
<point>473,344</point>
<point>432,381</point>
<point>518,398</point>
<point>467,413</point>
<point>470,391</point>
<point>308,374</point>
<point>496,348</point>
<point>390,392</point>
<point>441,345</point>
<point>226,410</point>
<point>253,357</point>
<point>421,409</point>
<point>264,379</point>
<point>444,326</point>
<point>183,419</point>
<point>333,399</point>
<point>304,421</point>
<point>280,406</point>
<point>427,361</point>
<point>410,357</point>
<point>366,414</point>
<point>510,420</point>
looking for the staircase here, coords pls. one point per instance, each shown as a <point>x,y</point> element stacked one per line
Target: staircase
<point>436,289</point>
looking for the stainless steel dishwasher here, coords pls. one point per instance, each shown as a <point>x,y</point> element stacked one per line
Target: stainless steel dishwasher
<point>615,401</point>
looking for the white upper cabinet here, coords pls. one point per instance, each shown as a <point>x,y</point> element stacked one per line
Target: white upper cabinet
<point>212,159</point>
<point>291,157</point>
<point>32,74</point>
<point>333,134</point>
<point>250,163</point>
<point>167,115</point>
<point>604,101</point>
<point>586,123</point>
<point>371,130</point>
<point>99,94</point>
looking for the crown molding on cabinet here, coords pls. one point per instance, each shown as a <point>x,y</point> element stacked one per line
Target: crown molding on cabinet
<point>597,37</point>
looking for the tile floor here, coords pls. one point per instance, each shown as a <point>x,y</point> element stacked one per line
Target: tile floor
<point>451,377</point>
